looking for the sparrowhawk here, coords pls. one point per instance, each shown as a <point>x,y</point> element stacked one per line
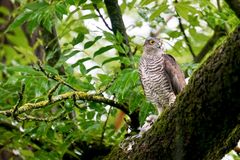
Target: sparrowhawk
<point>161,77</point>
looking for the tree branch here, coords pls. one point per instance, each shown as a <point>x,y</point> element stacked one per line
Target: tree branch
<point>186,38</point>
<point>20,99</point>
<point>115,16</point>
<point>218,33</point>
<point>184,34</point>
<point>100,15</point>
<point>47,119</point>
<point>69,95</point>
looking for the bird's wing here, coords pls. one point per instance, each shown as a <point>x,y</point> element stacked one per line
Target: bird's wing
<point>175,74</point>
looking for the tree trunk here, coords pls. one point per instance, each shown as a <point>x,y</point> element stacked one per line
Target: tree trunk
<point>204,122</point>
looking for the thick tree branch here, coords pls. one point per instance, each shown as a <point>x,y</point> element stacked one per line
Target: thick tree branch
<point>235,6</point>
<point>69,95</point>
<point>115,16</point>
<point>205,117</point>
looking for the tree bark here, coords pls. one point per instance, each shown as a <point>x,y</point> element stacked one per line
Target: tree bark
<point>203,124</point>
<point>117,23</point>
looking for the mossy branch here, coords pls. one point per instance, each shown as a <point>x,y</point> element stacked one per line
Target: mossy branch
<point>69,95</point>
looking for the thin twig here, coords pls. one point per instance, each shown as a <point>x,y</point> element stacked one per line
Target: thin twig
<point>219,6</point>
<point>184,34</point>
<point>53,77</point>
<point>52,90</point>
<point>20,94</point>
<point>105,124</point>
<point>185,37</point>
<point>100,15</point>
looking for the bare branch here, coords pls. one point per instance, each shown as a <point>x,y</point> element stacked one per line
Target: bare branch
<point>184,35</point>
<point>104,126</point>
<point>15,109</point>
<point>100,15</point>
<point>186,38</point>
<point>51,91</point>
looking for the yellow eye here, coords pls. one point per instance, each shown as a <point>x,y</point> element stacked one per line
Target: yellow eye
<point>151,41</point>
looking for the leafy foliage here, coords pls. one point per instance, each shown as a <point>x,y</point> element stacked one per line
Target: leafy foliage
<point>90,61</point>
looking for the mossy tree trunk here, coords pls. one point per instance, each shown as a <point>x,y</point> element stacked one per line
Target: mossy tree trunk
<point>204,122</point>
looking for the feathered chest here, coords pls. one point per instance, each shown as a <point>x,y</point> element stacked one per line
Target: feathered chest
<point>152,65</point>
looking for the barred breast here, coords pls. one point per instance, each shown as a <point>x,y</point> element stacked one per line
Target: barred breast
<point>155,81</point>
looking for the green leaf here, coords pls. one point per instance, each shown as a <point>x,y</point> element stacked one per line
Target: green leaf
<point>184,9</point>
<point>80,61</point>
<point>47,22</point>
<point>96,1</point>
<point>51,70</point>
<point>119,48</point>
<point>71,2</point>
<point>32,25</point>
<point>36,6</point>
<point>174,34</point>
<point>109,36</point>
<point>81,2</point>
<point>146,2</point>
<point>89,16</point>
<point>146,109</point>
<point>90,43</point>
<point>90,114</point>
<point>23,69</point>
<point>71,54</point>
<point>126,48</point>
<point>102,50</point>
<point>4,10</point>
<point>158,11</point>
<point>110,60</point>
<point>27,153</point>
<point>81,29</point>
<point>78,39</point>
<point>86,86</point>
<point>119,37</point>
<point>82,68</point>
<point>92,68</point>
<point>61,8</point>
<point>19,20</point>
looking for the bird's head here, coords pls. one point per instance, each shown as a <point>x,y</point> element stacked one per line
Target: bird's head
<point>153,46</point>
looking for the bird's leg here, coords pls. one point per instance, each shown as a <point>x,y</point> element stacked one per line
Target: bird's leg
<point>172,99</point>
